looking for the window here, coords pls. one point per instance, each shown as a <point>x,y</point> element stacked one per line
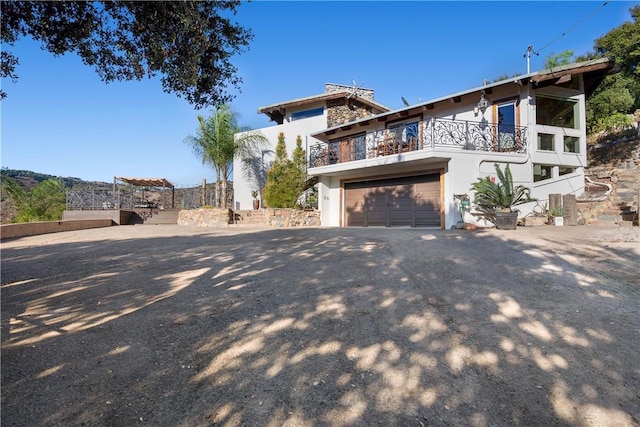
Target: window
<point>360,146</point>
<point>563,170</point>
<point>557,112</point>
<point>571,144</point>
<point>545,142</point>
<point>307,113</point>
<point>541,172</point>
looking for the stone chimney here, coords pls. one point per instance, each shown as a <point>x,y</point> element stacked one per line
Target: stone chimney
<point>360,92</point>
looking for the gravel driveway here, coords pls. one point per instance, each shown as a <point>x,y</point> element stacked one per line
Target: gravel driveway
<point>179,326</point>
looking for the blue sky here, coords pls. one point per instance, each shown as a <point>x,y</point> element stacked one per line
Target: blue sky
<point>60,119</point>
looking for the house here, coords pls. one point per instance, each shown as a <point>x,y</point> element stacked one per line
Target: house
<point>338,104</point>
<point>410,167</point>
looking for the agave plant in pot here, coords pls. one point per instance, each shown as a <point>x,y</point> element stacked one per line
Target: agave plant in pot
<point>496,200</point>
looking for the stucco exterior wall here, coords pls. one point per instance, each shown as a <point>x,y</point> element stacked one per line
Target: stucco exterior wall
<point>465,167</point>
<point>463,164</point>
<point>329,201</point>
<point>303,127</point>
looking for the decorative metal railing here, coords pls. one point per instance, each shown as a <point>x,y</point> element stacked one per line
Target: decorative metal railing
<point>429,134</point>
<point>102,198</point>
<point>96,199</point>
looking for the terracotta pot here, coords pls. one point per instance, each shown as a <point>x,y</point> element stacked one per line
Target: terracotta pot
<point>256,204</point>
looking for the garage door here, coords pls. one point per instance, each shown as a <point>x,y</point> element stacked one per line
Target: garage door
<point>410,201</point>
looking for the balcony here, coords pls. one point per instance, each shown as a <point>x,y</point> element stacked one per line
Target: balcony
<point>421,136</point>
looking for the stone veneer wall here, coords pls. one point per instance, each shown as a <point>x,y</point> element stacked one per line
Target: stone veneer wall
<point>362,93</point>
<point>292,218</point>
<point>205,217</point>
<point>275,218</point>
<point>616,163</point>
<point>339,113</point>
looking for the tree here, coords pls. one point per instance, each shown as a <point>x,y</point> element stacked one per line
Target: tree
<point>286,178</point>
<point>189,43</point>
<point>563,58</point>
<point>623,44</point>
<point>299,158</point>
<point>608,103</point>
<point>216,144</point>
<point>45,202</point>
<point>618,94</point>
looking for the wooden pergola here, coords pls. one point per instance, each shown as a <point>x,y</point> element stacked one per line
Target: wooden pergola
<point>149,182</point>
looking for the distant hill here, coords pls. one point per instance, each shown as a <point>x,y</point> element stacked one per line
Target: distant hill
<point>29,179</point>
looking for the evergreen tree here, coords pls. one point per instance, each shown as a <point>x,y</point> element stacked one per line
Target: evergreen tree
<point>299,157</point>
<point>286,177</point>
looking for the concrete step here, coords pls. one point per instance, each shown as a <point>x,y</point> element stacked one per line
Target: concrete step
<point>609,218</point>
<point>257,218</point>
<point>164,216</point>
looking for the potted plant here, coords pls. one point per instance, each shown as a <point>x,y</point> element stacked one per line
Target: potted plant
<point>556,216</point>
<point>256,202</point>
<point>539,216</point>
<point>496,200</point>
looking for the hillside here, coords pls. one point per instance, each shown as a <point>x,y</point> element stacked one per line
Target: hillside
<point>188,197</point>
<point>30,179</point>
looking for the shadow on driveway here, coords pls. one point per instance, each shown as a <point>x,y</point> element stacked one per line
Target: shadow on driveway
<point>172,326</point>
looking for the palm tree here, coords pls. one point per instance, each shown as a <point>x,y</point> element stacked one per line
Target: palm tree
<point>45,202</point>
<point>215,143</point>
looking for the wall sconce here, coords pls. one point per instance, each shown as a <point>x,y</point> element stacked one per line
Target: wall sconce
<point>483,104</point>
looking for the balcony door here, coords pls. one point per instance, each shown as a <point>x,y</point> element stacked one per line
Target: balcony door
<point>405,134</point>
<point>506,115</point>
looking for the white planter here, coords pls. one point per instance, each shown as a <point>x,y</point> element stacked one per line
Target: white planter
<point>558,221</point>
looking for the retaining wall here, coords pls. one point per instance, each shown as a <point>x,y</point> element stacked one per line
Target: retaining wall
<point>205,217</point>
<point>274,218</point>
<point>8,231</point>
<point>292,218</point>
<point>118,216</point>
<point>616,164</point>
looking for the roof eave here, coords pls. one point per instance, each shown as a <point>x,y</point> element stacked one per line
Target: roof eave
<point>281,106</point>
<point>554,73</point>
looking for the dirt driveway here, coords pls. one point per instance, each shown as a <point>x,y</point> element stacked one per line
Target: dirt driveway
<point>177,326</point>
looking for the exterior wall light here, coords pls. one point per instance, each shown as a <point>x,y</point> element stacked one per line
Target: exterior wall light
<point>483,104</point>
